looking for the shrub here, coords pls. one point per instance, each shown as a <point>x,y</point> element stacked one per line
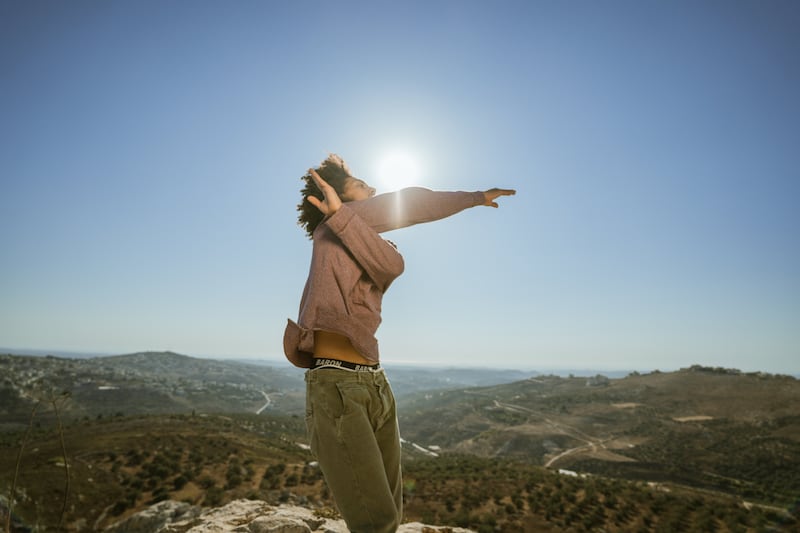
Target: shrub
<point>206,482</point>
<point>214,496</point>
<point>179,482</point>
<point>119,507</point>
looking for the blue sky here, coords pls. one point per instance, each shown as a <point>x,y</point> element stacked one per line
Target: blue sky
<point>150,155</point>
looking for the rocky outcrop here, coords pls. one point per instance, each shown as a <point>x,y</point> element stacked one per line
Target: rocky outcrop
<point>245,516</point>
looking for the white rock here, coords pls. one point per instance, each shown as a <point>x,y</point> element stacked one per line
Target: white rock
<point>416,527</point>
<point>245,516</point>
<point>156,517</point>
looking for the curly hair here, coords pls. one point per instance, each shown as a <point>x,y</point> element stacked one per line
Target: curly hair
<point>334,171</point>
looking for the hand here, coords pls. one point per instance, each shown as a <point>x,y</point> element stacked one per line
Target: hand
<point>492,194</point>
<point>331,203</point>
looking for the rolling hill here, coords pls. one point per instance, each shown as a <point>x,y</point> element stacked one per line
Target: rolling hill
<point>698,449</point>
<point>711,428</point>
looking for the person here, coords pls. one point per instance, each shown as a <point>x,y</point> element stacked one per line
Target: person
<point>350,409</point>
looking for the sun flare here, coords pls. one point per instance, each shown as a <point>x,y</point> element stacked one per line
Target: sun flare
<point>397,170</point>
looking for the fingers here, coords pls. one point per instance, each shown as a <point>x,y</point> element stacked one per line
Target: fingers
<point>319,204</point>
<point>330,202</point>
<point>492,194</point>
<point>321,183</point>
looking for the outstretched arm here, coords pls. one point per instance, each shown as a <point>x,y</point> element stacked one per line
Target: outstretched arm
<point>416,205</point>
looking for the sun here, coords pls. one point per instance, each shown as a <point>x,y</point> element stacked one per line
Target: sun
<point>398,169</point>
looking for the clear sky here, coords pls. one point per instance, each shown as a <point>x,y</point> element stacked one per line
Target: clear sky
<point>150,156</point>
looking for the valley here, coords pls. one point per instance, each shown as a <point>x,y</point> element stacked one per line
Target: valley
<point>699,449</point>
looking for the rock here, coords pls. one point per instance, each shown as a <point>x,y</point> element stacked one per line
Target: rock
<point>416,527</point>
<point>156,517</point>
<point>244,516</point>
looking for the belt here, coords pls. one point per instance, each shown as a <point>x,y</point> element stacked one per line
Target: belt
<point>321,362</point>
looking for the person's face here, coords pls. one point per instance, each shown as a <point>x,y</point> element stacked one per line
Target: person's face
<point>356,189</point>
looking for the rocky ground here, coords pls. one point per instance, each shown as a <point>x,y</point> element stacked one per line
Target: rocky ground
<point>246,516</point>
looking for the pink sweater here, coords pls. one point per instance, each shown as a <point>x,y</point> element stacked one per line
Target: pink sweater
<point>352,266</point>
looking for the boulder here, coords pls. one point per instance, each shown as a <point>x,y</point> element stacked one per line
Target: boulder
<point>244,516</point>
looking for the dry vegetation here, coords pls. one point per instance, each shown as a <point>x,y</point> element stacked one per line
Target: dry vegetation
<point>706,428</point>
<point>697,450</point>
<point>490,495</point>
<point>122,465</point>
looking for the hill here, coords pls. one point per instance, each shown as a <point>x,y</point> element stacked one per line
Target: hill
<point>668,451</point>
<point>144,383</point>
<point>167,382</point>
<point>710,428</point>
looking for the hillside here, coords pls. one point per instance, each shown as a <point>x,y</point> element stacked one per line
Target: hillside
<point>122,466</point>
<point>661,451</point>
<point>144,383</point>
<point>710,428</point>
<point>167,383</point>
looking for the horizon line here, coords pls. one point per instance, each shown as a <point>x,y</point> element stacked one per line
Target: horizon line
<point>83,354</point>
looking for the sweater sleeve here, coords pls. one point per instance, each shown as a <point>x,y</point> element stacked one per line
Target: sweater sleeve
<point>379,259</point>
<point>414,205</point>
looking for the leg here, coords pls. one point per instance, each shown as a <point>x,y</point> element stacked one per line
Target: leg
<point>387,436</point>
<point>339,409</point>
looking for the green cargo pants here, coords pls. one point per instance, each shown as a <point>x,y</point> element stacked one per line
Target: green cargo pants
<point>352,426</point>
